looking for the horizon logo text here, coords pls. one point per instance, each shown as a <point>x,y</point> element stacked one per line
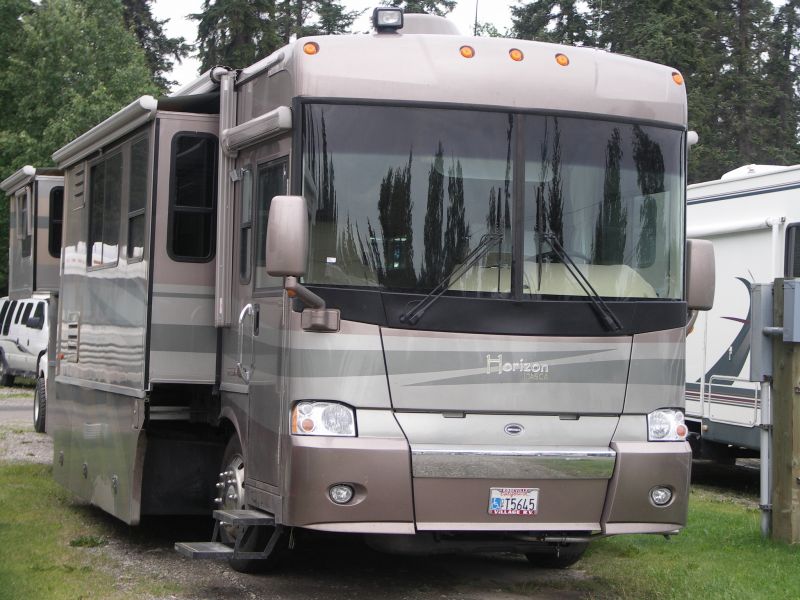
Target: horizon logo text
<point>532,370</point>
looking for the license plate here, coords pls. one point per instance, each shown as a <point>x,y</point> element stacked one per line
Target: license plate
<point>513,501</point>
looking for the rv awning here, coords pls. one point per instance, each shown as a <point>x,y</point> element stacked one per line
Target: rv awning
<point>22,177</point>
<point>129,118</point>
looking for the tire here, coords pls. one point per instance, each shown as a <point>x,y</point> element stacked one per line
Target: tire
<point>6,379</point>
<point>39,406</point>
<point>233,498</point>
<point>567,555</point>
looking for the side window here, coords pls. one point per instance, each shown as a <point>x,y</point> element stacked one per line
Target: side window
<point>56,221</point>
<point>20,308</point>
<point>9,316</point>
<point>39,314</point>
<point>791,263</point>
<point>273,180</point>
<point>246,226</point>
<point>105,197</point>
<point>3,311</point>
<point>193,198</point>
<point>22,224</point>
<point>27,312</point>
<point>137,198</point>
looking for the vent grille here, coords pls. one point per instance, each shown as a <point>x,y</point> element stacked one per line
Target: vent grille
<point>73,341</point>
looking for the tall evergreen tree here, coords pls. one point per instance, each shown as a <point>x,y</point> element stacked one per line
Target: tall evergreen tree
<point>431,7</point>
<point>557,21</point>
<point>235,33</point>
<point>161,51</point>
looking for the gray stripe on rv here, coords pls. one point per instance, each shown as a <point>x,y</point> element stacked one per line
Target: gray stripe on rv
<point>177,338</point>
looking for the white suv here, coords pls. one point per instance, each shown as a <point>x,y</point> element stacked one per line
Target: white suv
<point>23,348</point>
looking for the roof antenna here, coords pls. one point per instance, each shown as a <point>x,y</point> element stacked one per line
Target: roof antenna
<point>475,27</point>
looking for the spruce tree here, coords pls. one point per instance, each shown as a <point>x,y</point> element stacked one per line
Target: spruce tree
<point>161,51</point>
<point>431,7</point>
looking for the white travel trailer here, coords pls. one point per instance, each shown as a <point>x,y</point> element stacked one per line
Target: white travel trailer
<point>420,286</point>
<point>752,217</point>
<point>36,213</point>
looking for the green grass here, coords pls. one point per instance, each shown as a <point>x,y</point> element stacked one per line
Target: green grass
<point>47,543</point>
<point>720,555</point>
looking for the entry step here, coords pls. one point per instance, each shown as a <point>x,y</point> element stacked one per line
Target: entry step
<point>244,517</point>
<point>204,549</point>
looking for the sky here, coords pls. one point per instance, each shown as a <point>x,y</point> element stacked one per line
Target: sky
<point>489,11</point>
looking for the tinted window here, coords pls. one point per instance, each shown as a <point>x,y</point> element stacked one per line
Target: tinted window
<point>26,313</point>
<point>56,221</point>
<point>273,180</point>
<point>3,311</point>
<point>792,257</point>
<point>137,198</point>
<point>105,197</point>
<point>246,225</point>
<point>9,316</point>
<point>20,308</point>
<point>193,197</point>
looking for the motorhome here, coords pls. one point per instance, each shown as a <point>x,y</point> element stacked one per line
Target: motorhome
<point>424,287</point>
<point>36,200</point>
<point>752,218</point>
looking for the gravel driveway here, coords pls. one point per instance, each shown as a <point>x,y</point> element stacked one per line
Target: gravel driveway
<point>322,566</point>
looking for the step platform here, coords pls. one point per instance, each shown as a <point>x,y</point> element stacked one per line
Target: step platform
<point>244,517</point>
<point>195,550</point>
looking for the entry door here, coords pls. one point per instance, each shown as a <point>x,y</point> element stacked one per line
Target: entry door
<point>265,417</point>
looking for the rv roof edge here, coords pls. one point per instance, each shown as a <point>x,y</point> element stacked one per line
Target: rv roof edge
<point>265,64</point>
<point>129,118</point>
<point>204,83</point>
<point>18,179</point>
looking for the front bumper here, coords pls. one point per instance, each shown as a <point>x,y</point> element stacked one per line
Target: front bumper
<point>401,489</point>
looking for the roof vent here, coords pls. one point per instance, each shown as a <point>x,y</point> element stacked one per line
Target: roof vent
<point>752,170</point>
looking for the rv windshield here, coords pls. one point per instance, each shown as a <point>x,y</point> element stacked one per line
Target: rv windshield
<point>399,196</point>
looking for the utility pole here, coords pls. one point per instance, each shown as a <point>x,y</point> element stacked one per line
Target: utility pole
<point>786,415</point>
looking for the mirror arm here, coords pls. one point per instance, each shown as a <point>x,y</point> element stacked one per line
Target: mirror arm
<point>296,289</point>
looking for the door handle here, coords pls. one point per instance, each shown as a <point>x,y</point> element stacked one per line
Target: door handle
<point>245,371</point>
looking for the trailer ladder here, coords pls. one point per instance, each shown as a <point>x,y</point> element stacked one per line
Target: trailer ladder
<point>250,521</point>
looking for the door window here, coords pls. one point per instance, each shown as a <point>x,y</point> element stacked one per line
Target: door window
<point>273,180</point>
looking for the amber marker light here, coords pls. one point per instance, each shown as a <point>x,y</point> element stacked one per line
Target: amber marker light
<point>516,54</point>
<point>562,59</point>
<point>467,51</point>
<point>311,48</point>
<point>677,78</point>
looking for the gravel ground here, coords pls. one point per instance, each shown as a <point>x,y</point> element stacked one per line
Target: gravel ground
<point>322,566</point>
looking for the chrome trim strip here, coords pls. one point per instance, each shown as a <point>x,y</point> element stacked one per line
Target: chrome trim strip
<point>497,462</point>
<point>102,387</point>
<point>528,526</point>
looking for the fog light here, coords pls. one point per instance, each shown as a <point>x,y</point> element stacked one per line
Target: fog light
<point>341,493</point>
<point>660,495</point>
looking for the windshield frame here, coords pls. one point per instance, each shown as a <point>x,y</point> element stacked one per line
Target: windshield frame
<point>519,200</point>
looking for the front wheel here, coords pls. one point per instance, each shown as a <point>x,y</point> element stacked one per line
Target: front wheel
<point>565,556</point>
<point>39,405</point>
<point>253,539</point>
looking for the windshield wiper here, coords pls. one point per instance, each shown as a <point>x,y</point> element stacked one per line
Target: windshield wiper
<point>414,314</point>
<point>606,315</point>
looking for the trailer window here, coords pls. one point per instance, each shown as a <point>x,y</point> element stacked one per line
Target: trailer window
<point>9,316</point>
<point>193,197</point>
<point>792,256</point>
<point>105,196</point>
<point>137,198</point>
<point>273,180</point>
<point>56,221</point>
<point>246,226</point>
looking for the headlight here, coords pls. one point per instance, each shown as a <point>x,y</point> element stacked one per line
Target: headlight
<point>666,425</point>
<point>323,418</point>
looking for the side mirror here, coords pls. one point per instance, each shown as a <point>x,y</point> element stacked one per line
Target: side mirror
<point>700,277</point>
<point>35,322</point>
<point>287,237</point>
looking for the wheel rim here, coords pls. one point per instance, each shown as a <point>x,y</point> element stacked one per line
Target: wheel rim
<point>36,404</point>
<point>232,495</point>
